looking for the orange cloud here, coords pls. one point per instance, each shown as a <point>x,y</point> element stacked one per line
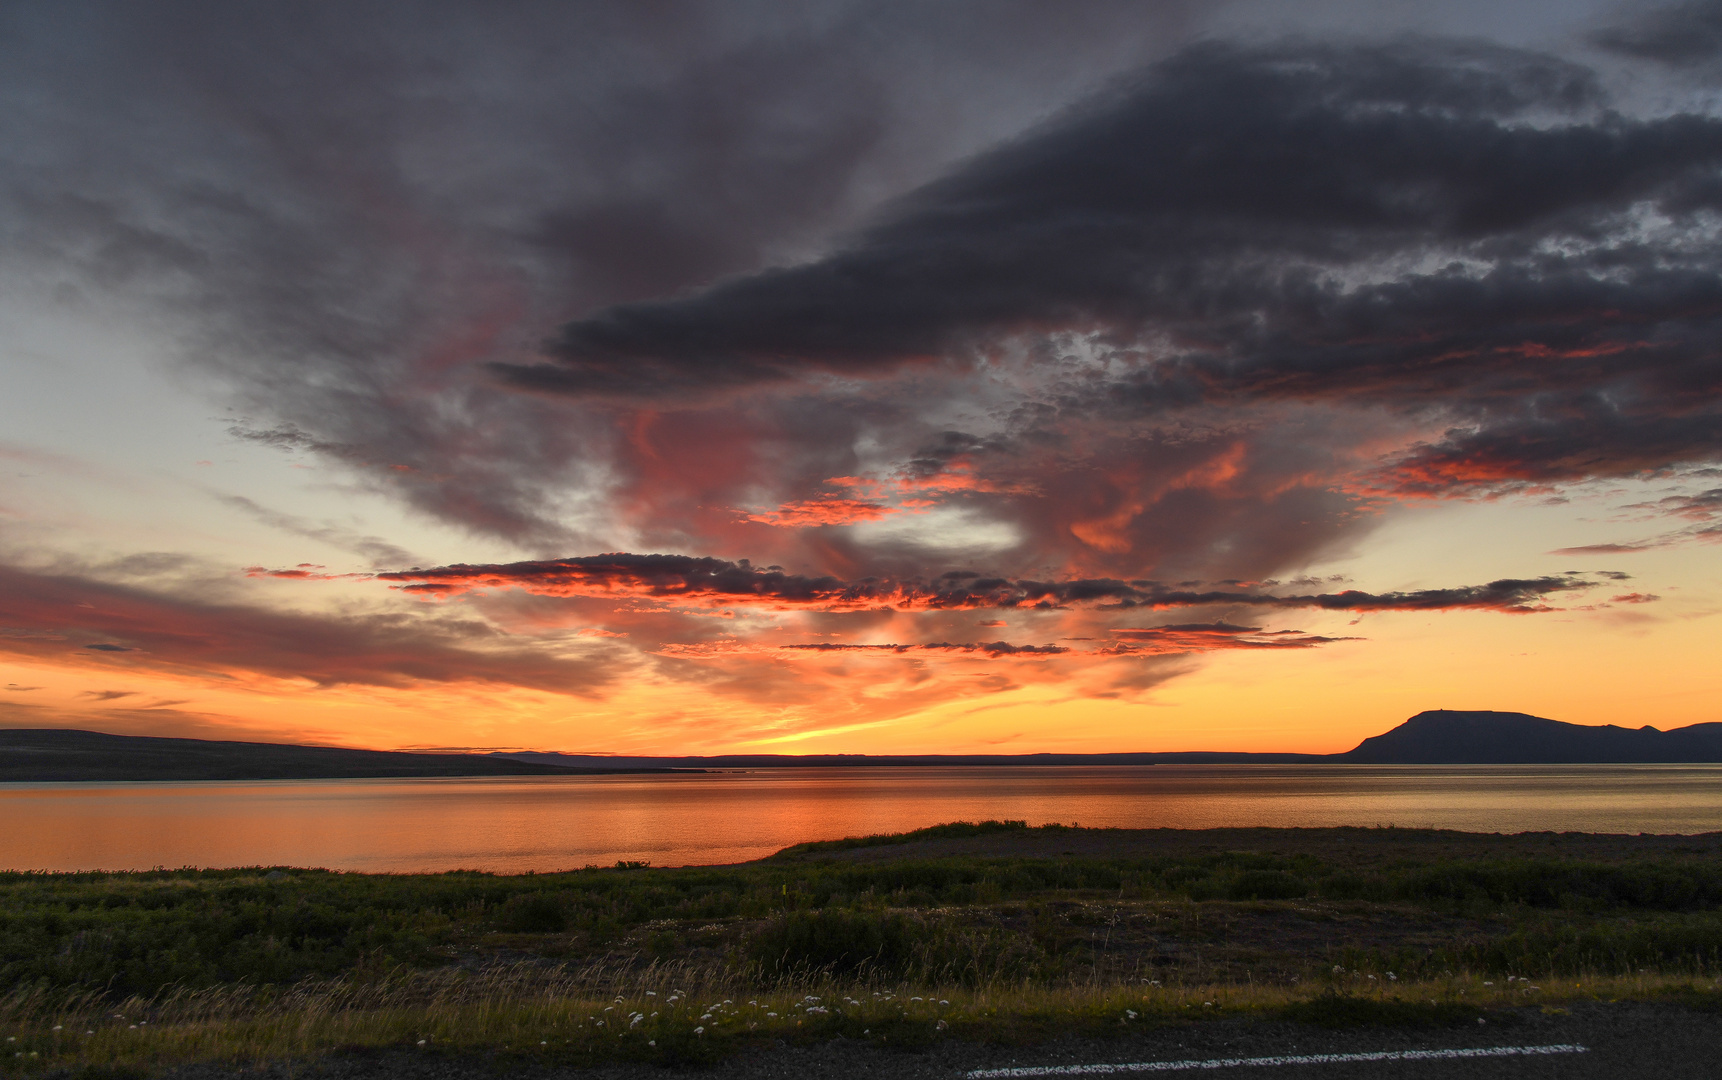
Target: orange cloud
<point>826,510</point>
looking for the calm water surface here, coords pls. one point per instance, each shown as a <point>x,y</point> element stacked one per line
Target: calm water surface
<point>551,823</point>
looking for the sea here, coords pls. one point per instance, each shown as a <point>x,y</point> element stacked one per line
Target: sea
<point>548,823</point>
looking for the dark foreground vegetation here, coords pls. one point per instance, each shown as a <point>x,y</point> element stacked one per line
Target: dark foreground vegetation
<point>981,931</point>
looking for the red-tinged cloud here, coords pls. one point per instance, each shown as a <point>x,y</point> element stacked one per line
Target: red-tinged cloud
<point>708,582</point>
<point>812,513</point>
<point>918,488</point>
<point>54,617</point>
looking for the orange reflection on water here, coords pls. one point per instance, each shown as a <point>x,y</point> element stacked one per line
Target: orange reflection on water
<point>513,824</point>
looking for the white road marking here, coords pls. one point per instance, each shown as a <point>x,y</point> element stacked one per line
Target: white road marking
<point>1301,1059</point>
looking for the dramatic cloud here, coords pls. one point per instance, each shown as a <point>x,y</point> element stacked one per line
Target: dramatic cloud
<point>1403,221</point>
<point>346,216</point>
<point>984,346</point>
<point>1456,234</point>
<point>684,579</point>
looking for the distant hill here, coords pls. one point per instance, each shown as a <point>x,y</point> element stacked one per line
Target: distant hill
<point>39,755</point>
<point>1446,737</point>
<point>1438,737</point>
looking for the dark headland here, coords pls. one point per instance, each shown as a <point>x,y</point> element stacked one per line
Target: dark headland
<point>52,754</point>
<point>1437,737</point>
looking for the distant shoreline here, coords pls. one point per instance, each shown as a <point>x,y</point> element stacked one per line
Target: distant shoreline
<point>1438,737</point>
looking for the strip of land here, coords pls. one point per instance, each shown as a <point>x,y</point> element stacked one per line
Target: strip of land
<point>60,755</point>
<point>1439,737</point>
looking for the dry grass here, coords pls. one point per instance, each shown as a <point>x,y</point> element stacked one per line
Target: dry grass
<point>672,1013</point>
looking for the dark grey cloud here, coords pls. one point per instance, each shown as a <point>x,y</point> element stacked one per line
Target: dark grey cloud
<point>705,580</point>
<point>1681,35</point>
<point>1437,226</point>
<point>1208,199</point>
<point>1559,445</point>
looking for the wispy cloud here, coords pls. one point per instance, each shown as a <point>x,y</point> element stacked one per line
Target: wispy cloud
<point>375,549</point>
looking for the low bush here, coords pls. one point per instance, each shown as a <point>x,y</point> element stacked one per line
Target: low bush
<point>1267,885</point>
<point>890,946</point>
<point>533,913</point>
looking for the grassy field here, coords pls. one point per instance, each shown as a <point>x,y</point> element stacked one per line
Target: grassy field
<point>991,931</point>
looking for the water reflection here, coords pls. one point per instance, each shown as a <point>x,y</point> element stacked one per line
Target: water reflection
<point>513,824</point>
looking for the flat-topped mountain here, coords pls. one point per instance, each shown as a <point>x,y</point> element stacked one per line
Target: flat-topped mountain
<point>1447,737</point>
<point>1437,737</point>
<point>40,755</point>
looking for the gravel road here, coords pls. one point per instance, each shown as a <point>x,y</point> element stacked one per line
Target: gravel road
<point>1622,1040</point>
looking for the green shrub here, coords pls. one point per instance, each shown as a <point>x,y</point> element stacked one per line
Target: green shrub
<point>889,945</point>
<point>1267,885</point>
<point>533,913</point>
<point>837,941</point>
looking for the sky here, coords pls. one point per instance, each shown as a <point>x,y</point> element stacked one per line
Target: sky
<point>863,377</point>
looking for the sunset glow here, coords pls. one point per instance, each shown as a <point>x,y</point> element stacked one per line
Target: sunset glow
<point>1231,378</point>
